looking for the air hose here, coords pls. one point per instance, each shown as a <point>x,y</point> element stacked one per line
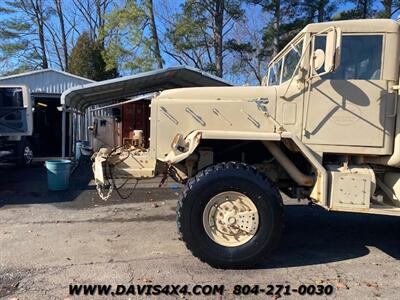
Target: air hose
<point>104,193</point>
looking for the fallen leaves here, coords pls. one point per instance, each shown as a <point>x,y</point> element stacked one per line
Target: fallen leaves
<point>145,279</point>
<point>371,284</point>
<point>341,285</point>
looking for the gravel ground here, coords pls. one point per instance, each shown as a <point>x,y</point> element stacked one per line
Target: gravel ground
<point>50,240</point>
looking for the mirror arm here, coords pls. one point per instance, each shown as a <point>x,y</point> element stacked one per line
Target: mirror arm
<point>326,72</point>
<point>318,75</point>
<point>301,58</point>
<point>296,69</point>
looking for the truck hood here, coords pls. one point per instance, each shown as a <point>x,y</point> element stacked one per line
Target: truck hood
<point>220,93</point>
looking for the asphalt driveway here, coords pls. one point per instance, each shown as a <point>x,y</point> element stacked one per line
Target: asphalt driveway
<point>51,240</point>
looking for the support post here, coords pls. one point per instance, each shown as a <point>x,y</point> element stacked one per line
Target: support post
<point>63,130</point>
<point>70,134</point>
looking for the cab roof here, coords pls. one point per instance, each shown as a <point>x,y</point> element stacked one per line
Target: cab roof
<point>364,25</point>
<point>347,26</point>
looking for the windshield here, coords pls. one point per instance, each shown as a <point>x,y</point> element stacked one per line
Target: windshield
<point>283,69</point>
<point>11,97</point>
<point>275,73</point>
<point>12,111</point>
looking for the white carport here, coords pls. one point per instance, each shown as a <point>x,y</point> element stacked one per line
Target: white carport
<point>78,99</point>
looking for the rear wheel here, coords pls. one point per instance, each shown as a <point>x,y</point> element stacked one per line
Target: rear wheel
<point>229,215</point>
<point>24,153</point>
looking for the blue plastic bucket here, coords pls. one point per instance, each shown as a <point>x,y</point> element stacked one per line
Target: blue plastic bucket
<point>58,172</point>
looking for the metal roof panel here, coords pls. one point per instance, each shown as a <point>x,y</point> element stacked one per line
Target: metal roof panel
<point>81,97</point>
<point>47,81</point>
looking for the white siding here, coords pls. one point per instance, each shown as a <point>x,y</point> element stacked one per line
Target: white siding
<point>46,81</point>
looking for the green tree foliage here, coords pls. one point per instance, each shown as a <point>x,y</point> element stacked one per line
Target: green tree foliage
<point>248,57</point>
<point>86,59</point>
<point>131,37</point>
<point>361,9</point>
<point>287,19</point>
<point>317,10</point>
<point>198,34</point>
<point>390,7</point>
<point>36,34</point>
<point>22,40</point>
<point>234,39</point>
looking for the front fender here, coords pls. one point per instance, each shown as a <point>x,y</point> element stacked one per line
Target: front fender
<point>182,149</point>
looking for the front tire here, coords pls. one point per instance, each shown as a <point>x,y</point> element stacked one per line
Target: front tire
<point>229,216</point>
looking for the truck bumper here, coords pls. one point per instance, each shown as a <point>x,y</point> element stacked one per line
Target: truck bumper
<point>127,164</point>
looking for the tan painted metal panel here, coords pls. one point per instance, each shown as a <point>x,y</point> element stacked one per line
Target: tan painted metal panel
<point>222,109</point>
<point>348,113</point>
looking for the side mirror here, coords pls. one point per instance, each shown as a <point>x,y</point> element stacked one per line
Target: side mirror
<point>332,50</point>
<point>318,59</point>
<point>330,58</point>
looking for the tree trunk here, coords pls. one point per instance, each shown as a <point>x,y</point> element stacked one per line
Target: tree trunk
<point>276,27</point>
<point>60,14</point>
<point>365,8</point>
<point>154,34</point>
<point>321,10</point>
<point>38,9</point>
<point>218,27</point>
<point>387,12</point>
<point>45,64</point>
<point>84,7</point>
<point>99,22</point>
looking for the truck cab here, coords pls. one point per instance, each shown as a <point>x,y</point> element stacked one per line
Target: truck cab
<point>346,116</point>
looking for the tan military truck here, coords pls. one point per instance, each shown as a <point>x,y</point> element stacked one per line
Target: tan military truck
<point>324,126</point>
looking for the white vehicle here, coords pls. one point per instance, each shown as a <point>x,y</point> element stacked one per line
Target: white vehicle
<point>16,124</point>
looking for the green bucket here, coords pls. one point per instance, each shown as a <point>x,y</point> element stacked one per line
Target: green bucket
<point>58,172</point>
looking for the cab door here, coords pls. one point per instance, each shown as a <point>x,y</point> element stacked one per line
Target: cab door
<point>289,107</point>
<point>350,106</point>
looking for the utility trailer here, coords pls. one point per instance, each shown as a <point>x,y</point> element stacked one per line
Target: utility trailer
<point>16,124</point>
<point>325,126</point>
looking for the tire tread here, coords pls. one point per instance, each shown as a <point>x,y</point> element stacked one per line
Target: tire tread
<point>222,167</point>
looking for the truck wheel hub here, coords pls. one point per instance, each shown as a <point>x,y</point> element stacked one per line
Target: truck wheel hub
<point>230,219</point>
